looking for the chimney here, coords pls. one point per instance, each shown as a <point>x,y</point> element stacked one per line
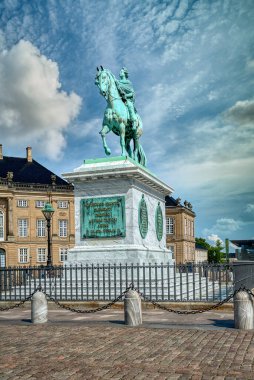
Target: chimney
<point>29,154</point>
<point>1,151</point>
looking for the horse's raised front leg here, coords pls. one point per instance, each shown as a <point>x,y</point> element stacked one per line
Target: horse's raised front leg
<point>103,132</point>
<point>122,139</point>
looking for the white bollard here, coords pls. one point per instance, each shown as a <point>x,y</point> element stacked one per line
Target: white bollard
<point>243,311</point>
<point>39,308</point>
<point>132,308</point>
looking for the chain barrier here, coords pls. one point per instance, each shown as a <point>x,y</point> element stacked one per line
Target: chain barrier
<point>21,302</point>
<point>131,286</point>
<point>159,306</point>
<point>104,307</point>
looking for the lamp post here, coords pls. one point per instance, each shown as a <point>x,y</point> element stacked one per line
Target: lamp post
<point>48,212</point>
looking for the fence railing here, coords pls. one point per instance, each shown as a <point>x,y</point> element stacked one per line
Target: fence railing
<point>159,282</point>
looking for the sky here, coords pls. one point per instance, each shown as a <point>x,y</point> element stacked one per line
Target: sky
<point>191,63</point>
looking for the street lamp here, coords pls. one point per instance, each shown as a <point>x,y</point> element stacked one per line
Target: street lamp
<point>48,212</point>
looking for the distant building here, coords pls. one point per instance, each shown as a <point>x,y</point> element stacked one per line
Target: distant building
<point>180,219</point>
<point>25,187</point>
<point>201,254</point>
<point>245,250</point>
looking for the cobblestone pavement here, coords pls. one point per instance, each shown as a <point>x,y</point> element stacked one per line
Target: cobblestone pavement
<point>100,346</point>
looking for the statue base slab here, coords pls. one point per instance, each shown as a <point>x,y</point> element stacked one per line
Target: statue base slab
<point>110,225</point>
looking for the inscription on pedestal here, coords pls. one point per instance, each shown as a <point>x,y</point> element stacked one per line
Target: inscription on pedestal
<point>103,217</point>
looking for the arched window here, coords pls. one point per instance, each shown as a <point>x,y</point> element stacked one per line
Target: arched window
<point>1,225</point>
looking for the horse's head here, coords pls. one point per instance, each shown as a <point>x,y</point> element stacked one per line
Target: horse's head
<point>102,80</point>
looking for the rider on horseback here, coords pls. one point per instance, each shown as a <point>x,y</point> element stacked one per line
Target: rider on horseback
<point>127,94</point>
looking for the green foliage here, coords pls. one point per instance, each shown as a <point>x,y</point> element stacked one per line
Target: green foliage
<point>215,254</point>
<point>202,242</point>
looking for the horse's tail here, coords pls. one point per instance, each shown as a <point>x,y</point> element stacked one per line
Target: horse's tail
<point>141,156</point>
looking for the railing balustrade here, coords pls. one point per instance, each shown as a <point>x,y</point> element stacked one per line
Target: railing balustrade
<point>159,282</point>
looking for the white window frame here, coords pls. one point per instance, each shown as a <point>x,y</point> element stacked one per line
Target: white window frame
<point>41,255</point>
<point>62,204</point>
<point>2,232</point>
<point>22,203</point>
<point>170,225</point>
<point>39,204</point>
<point>41,227</point>
<point>63,228</point>
<point>63,254</point>
<point>23,255</point>
<point>22,227</point>
<point>2,258</point>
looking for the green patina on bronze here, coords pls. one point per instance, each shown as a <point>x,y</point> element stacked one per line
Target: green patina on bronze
<point>121,116</point>
<point>143,217</point>
<point>103,217</point>
<point>159,222</point>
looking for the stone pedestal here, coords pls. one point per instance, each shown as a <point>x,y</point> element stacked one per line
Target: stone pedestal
<point>243,311</point>
<point>39,308</point>
<point>119,213</point>
<point>132,309</point>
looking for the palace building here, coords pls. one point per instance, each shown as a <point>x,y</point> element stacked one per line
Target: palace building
<point>25,187</point>
<point>180,221</point>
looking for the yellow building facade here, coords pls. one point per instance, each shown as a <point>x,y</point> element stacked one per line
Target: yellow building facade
<point>180,230</point>
<point>25,187</point>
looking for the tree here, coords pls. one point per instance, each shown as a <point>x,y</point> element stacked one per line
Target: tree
<point>202,242</point>
<point>215,254</point>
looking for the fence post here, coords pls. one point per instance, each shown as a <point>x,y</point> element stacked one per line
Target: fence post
<point>243,311</point>
<point>39,308</point>
<point>132,308</point>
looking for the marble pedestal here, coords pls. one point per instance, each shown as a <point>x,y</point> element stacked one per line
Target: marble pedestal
<point>119,177</point>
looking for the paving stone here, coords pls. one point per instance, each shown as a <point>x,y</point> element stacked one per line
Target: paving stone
<point>96,349</point>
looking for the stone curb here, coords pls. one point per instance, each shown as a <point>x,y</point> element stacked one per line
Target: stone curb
<point>120,305</point>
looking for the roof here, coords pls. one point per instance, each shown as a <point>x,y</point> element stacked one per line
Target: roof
<point>200,247</point>
<point>170,201</point>
<point>240,243</point>
<point>28,172</point>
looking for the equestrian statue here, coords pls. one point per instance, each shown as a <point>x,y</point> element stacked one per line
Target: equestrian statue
<point>120,116</point>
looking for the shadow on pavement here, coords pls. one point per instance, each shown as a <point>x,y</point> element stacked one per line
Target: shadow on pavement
<point>225,323</point>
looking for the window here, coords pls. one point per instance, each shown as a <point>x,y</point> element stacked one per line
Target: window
<point>172,249</point>
<point>63,254</point>
<point>2,258</point>
<point>39,204</point>
<point>170,224</point>
<point>22,203</point>
<point>22,227</point>
<point>192,228</point>
<point>185,226</point>
<point>40,227</point>
<point>63,227</point>
<point>23,255</point>
<point>62,204</point>
<point>41,255</point>
<point>1,226</point>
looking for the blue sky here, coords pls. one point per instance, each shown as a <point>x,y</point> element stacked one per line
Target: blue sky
<point>192,67</point>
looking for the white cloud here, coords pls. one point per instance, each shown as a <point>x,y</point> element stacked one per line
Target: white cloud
<point>249,208</point>
<point>89,128</point>
<point>242,112</point>
<point>33,108</point>
<point>223,226</point>
<point>214,238</point>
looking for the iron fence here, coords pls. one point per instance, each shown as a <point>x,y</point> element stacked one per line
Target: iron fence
<point>159,282</point>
